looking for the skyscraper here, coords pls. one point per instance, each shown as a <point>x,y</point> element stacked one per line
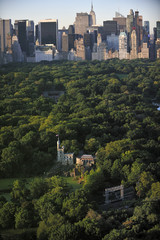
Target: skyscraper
<point>93,16</point>
<point>130,22</point>
<point>81,23</point>
<point>5,30</point>
<point>121,22</point>
<point>133,54</point>
<point>65,44</point>
<point>21,33</point>
<point>122,45</point>
<point>109,27</point>
<point>48,32</point>
<point>146,26</point>
<point>30,37</point>
<point>158,29</point>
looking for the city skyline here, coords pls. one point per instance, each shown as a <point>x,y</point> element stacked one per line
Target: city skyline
<point>65,11</point>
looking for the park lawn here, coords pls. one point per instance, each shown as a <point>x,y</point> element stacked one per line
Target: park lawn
<point>73,183</point>
<point>6,183</point>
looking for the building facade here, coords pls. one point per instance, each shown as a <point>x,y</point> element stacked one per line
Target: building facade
<point>85,160</point>
<point>48,32</point>
<point>93,16</point>
<point>123,45</point>
<point>134,50</point>
<point>82,22</point>
<point>5,30</point>
<point>44,53</point>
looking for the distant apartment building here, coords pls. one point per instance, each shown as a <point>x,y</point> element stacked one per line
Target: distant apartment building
<point>144,51</point>
<point>44,53</point>
<point>80,49</point>
<point>99,49</point>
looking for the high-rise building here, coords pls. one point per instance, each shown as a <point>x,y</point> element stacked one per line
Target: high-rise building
<point>82,22</point>
<point>121,22</point>
<point>21,33</point>
<point>158,29</point>
<point>71,39</point>
<point>5,30</point>
<point>48,32</point>
<point>146,26</point>
<point>88,40</point>
<point>139,30</point>
<point>30,37</point>
<point>93,16</point>
<point>17,52</point>
<point>146,35</point>
<point>134,50</point>
<point>71,29</point>
<point>130,23</point>
<point>122,45</point>
<point>99,49</point>
<point>113,42</point>
<point>109,27</point>
<point>144,51</point>
<point>65,44</point>
<point>60,33</point>
<point>80,49</point>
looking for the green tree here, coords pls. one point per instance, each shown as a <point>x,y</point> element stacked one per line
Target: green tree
<point>144,183</point>
<point>7,213</point>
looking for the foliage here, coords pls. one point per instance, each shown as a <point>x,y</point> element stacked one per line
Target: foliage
<point>106,110</point>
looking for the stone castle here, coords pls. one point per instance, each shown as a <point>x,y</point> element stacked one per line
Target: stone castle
<point>68,158</point>
<point>64,158</point>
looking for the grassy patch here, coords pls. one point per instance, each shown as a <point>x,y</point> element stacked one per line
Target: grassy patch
<point>122,75</point>
<point>19,234</point>
<point>73,183</point>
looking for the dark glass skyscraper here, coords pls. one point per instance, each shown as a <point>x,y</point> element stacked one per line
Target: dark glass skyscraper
<point>48,32</point>
<point>20,31</point>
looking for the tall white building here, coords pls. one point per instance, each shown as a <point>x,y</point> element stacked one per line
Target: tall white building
<point>122,45</point>
<point>134,49</point>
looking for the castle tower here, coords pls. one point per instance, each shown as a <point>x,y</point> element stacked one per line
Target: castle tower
<point>60,152</point>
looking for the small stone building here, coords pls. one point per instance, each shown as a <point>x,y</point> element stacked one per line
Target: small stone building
<point>85,160</point>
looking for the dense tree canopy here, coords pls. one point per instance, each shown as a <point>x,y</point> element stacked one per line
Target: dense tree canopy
<point>108,109</point>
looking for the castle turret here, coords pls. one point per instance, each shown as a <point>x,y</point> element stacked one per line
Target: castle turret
<point>60,152</point>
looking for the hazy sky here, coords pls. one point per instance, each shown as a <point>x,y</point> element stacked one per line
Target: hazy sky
<point>65,10</point>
